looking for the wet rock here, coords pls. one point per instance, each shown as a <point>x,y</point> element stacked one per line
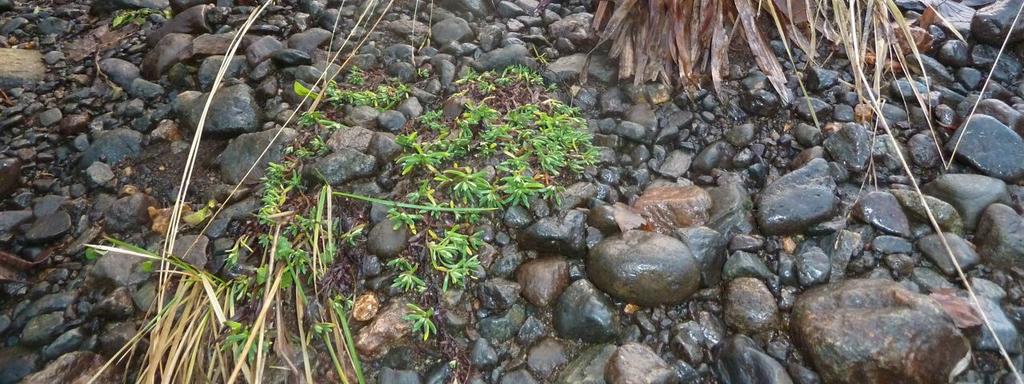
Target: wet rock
<point>923,151</point>
<point>261,49</point>
<point>115,306</point>
<point>396,376</point>
<point>644,268</point>
<point>562,235</point>
<point>387,239</point>
<point>717,155</point>
<point>41,329</point>
<point>210,67</point>
<point>588,367</point>
<point>1000,236</point>
<point>584,313</point>
<point>944,213</point>
<point>103,7</point>
<point>850,146</point>
<point>738,360</point>
<point>343,166</point>
<point>876,330</point>
<point>520,376</point>
<point>77,367</point>
<point>500,58</point>
<point>234,111</point>
<point>112,147</point>
<point>171,49</point>
<point>10,176</point>
<point>991,147</point>
<point>991,24</point>
<point>17,362</point>
<point>819,79</point>
<point>635,363</point>
<point>12,219</point>
<point>49,228</point>
<point>243,151</point>
<point>676,164</point>
<point>969,194</point>
<point>708,247</point>
<point>499,328</point>
<point>954,52</point>
<point>119,269</point>
<point>673,206</point>
<point>453,29</point>
<point>545,357</point>
<point>797,200</point>
<point>882,211</point>
<point>309,40</point>
<point>809,107</point>
<point>191,21</point>
<point>129,213</point>
<point>749,306</point>
<point>375,339</point>
<point>813,267</point>
<point>745,264</point>
<point>1004,329</point>
<point>286,58</point>
<point>365,307</point>
<point>931,246</point>
<point>20,67</point>
<point>543,280</point>
<point>498,293</point>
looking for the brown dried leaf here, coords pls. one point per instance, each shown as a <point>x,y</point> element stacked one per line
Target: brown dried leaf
<point>764,57</point>
<point>957,308</point>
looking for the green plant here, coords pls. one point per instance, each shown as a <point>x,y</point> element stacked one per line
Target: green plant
<point>316,118</point>
<point>356,76</point>
<point>422,320</point>
<point>423,73</point>
<point>135,16</point>
<point>406,280</point>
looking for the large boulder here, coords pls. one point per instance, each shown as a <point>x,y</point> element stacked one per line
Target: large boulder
<point>644,268</point>
<point>991,147</point>
<point>870,331</point>
<point>969,194</point>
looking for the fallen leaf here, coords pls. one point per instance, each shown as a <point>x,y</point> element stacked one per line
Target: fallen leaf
<point>957,308</point>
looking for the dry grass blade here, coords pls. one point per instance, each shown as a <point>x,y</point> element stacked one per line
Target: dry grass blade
<point>762,54</point>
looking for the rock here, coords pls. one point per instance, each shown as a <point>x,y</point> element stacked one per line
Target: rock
<point>875,330</point>
<point>117,305</point>
<point>396,376</point>
<point>561,235</point>
<point>192,249</point>
<point>387,239</point>
<point>500,58</point>
<point>931,246</point>
<point>520,376</point>
<point>17,362</point>
<point>738,360</point>
<point>584,313</point>
<point>588,367</point>
<point>391,121</point>
<point>171,49</point>
<point>111,147</point>
<point>375,339</point>
<point>261,49</point>
<point>850,146</point>
<point>1004,329</point>
<point>954,52</point>
<point>969,194</point>
<point>41,329</point>
<point>192,21</point>
<point>745,264</point>
<point>477,8</point>
<point>119,269</point>
<point>49,228</point>
<point>673,206</point>
<point>1000,236</point>
<point>19,67</point>
<point>545,357</point>
<point>635,363</point>
<point>453,29</point>
<point>882,211</point>
<point>820,79</point>
<point>365,307</point>
<point>499,328</point>
<point>567,68</point>
<point>343,166</point>
<point>119,71</point>
<point>209,69</point>
<point>576,27</point>
<point>10,176</point>
<point>708,247</point>
<point>77,367</point>
<point>243,151</point>
<point>809,107</point>
<point>944,213</point>
<point>991,24</point>
<point>129,213</point>
<point>234,111</point>
<point>286,58</point>
<point>991,147</point>
<point>12,219</point>
<point>797,200</point>
<point>676,164</point>
<point>483,354</point>
<point>543,280</point>
<point>813,267</point>
<point>498,293</point>
<point>356,138</point>
<point>749,306</point>
<point>923,151</point>
<point>309,40</point>
<point>644,268</point>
